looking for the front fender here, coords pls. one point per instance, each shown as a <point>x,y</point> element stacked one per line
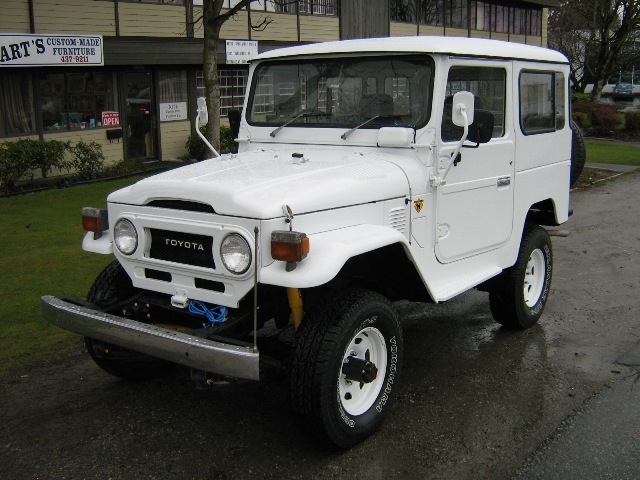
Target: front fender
<point>328,253</point>
<point>102,245</point>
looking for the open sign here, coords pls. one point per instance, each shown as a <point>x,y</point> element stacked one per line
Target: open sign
<point>110,119</point>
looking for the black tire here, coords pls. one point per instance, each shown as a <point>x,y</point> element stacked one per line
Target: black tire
<point>111,287</point>
<point>578,153</point>
<point>519,295</point>
<point>355,321</point>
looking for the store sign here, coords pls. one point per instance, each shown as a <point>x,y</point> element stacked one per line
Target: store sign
<point>241,51</point>
<point>173,111</point>
<point>110,119</point>
<point>50,50</point>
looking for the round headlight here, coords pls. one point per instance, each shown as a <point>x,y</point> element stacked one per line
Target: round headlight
<point>125,236</point>
<point>235,253</point>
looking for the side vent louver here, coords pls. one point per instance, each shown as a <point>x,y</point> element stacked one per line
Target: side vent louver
<point>398,218</point>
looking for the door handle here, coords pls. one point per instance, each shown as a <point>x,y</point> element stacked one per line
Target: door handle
<point>504,181</point>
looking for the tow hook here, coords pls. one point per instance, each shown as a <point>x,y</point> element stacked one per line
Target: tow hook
<point>358,370</point>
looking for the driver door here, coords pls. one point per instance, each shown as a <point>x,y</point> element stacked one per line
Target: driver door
<point>474,208</point>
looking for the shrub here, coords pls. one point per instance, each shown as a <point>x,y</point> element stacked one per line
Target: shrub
<point>20,157</point>
<point>47,154</point>
<point>582,119</point>
<point>88,159</point>
<point>123,168</point>
<point>227,143</point>
<point>13,163</point>
<point>632,121</point>
<point>197,150</point>
<point>577,97</point>
<point>604,117</point>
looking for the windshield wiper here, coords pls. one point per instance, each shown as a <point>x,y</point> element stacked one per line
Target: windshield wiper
<point>389,115</point>
<point>303,113</point>
<point>349,132</point>
<point>288,122</point>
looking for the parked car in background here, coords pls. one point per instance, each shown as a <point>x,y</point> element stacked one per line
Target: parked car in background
<point>623,90</point>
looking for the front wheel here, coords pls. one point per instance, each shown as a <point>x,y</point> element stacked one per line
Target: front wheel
<point>346,367</point>
<point>520,294</point>
<point>111,287</point>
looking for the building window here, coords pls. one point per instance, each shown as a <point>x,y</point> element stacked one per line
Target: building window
<point>76,100</point>
<point>501,19</point>
<point>402,11</point>
<point>517,21</point>
<point>535,23</point>
<point>17,113</point>
<point>456,13</point>
<point>432,12</point>
<point>481,16</point>
<point>173,86</point>
<point>327,8</point>
<point>233,87</point>
<point>161,2</point>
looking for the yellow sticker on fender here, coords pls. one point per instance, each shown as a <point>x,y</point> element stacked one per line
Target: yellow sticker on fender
<point>418,204</point>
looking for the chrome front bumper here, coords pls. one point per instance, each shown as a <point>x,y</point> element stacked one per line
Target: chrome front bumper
<point>188,350</point>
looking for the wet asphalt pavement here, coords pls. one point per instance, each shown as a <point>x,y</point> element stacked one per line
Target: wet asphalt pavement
<point>476,401</point>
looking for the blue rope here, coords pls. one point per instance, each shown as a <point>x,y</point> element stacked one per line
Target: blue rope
<point>216,314</point>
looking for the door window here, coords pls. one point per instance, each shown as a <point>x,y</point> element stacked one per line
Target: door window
<point>488,85</point>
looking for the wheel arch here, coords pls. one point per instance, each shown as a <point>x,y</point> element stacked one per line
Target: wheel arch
<point>369,256</point>
<point>543,212</point>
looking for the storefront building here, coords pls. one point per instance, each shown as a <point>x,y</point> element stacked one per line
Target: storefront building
<point>126,73</point>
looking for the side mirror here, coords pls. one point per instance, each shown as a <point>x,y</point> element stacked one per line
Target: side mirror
<point>202,118</point>
<point>463,109</point>
<point>202,113</point>
<point>234,117</point>
<point>481,130</point>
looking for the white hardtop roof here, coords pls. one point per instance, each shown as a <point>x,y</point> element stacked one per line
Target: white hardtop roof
<point>462,46</point>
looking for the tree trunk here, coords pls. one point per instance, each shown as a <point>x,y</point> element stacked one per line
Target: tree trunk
<point>596,93</point>
<point>212,24</point>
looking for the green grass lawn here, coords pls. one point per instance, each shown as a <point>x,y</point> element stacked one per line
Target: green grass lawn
<point>613,153</point>
<point>40,244</point>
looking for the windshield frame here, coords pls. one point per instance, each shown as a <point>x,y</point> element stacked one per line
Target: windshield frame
<point>419,59</point>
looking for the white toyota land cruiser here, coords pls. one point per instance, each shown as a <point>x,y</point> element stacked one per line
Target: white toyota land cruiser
<point>368,171</point>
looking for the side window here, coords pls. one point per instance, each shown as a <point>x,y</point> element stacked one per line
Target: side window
<point>488,85</point>
<point>542,102</point>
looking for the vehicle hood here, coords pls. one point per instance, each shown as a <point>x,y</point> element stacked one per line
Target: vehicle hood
<point>256,184</point>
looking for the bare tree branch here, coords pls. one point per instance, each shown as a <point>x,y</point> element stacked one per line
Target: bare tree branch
<point>600,37</point>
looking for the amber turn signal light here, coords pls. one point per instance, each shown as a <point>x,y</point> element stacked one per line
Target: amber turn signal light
<point>95,219</point>
<point>289,246</point>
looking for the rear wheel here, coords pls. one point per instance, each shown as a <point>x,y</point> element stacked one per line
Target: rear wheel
<point>110,288</point>
<point>346,367</point>
<point>578,153</point>
<point>519,295</point>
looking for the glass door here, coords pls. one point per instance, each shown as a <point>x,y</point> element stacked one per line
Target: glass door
<point>141,118</point>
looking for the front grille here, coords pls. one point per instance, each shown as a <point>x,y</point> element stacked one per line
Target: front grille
<point>209,285</point>
<point>186,248</point>
<point>157,275</point>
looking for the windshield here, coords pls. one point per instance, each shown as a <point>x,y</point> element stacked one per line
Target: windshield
<point>343,92</point>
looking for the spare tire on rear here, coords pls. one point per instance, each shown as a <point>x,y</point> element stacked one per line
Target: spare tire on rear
<point>578,153</point>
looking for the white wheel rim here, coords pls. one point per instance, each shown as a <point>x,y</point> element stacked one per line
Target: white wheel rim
<point>534,278</point>
<point>357,397</point>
